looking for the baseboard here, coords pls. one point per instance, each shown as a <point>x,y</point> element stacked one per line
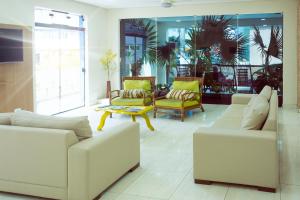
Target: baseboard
<point>263,189</point>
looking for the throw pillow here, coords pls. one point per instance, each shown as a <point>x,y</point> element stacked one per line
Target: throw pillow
<point>5,118</point>
<point>80,125</point>
<point>250,103</point>
<point>134,93</point>
<point>180,94</point>
<point>266,92</point>
<point>256,115</point>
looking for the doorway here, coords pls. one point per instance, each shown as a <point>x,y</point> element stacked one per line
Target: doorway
<point>59,61</point>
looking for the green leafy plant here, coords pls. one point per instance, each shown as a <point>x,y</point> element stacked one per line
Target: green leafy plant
<point>166,56</point>
<point>214,35</point>
<point>271,74</point>
<point>215,31</point>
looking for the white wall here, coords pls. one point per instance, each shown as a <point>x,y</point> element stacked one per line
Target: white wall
<point>21,12</point>
<point>288,7</point>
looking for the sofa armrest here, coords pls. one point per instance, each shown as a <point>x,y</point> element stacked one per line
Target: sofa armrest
<point>29,155</point>
<point>97,162</point>
<point>247,157</point>
<point>241,98</point>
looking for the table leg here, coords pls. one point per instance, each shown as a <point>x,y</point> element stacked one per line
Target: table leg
<point>102,120</point>
<point>145,116</point>
<point>133,118</point>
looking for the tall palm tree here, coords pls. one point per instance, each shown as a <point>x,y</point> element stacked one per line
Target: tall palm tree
<point>148,27</point>
<point>165,57</point>
<point>270,74</point>
<point>215,31</point>
<point>275,46</point>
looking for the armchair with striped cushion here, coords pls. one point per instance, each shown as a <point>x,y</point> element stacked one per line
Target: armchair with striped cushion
<point>186,94</point>
<point>137,91</point>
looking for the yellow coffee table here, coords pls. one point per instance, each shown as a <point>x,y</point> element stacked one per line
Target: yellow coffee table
<point>133,111</point>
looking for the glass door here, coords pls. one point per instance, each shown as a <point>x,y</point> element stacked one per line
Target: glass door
<point>60,69</point>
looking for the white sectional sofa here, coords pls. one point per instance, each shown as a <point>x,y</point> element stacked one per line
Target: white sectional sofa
<point>53,163</point>
<point>227,153</point>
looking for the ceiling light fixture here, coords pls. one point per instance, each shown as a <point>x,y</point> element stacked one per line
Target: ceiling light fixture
<point>167,3</point>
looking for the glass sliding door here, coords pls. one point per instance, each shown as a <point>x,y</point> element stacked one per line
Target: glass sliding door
<point>238,53</point>
<point>138,47</point>
<point>60,61</point>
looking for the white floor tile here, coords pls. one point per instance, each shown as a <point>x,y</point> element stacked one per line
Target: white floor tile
<point>245,193</point>
<point>109,196</point>
<point>134,197</point>
<point>188,190</point>
<point>127,180</point>
<point>290,192</point>
<point>156,184</point>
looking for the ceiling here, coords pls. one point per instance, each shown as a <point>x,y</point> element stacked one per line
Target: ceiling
<point>148,3</point>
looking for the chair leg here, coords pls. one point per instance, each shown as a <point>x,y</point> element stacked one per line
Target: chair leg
<point>202,109</point>
<point>154,112</point>
<point>182,115</point>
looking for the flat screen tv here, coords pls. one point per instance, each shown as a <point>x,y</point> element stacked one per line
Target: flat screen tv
<point>11,45</point>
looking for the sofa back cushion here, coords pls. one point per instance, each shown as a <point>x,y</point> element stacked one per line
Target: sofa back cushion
<point>5,118</point>
<point>271,121</point>
<point>266,92</point>
<point>137,84</point>
<point>80,125</point>
<point>186,85</point>
<point>256,115</point>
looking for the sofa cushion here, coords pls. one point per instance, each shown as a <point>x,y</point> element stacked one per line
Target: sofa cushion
<point>137,84</point>
<point>5,118</point>
<point>271,121</point>
<point>266,92</point>
<point>231,118</point>
<point>250,104</point>
<point>186,85</point>
<point>80,125</point>
<point>234,111</point>
<point>180,94</point>
<point>173,103</point>
<point>256,115</point>
<point>119,101</point>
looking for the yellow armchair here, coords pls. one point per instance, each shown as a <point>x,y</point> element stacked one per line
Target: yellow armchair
<point>192,84</point>
<point>129,83</point>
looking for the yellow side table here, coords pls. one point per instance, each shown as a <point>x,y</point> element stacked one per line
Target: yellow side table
<point>133,111</point>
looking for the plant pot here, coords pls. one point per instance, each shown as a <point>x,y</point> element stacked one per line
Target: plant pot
<point>108,89</point>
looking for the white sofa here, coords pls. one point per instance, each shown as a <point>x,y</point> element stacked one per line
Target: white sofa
<point>225,153</point>
<point>53,163</point>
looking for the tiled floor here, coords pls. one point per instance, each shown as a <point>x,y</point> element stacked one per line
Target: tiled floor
<point>166,161</point>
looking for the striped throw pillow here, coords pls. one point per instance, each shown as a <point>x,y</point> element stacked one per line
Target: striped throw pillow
<point>178,95</point>
<point>134,93</point>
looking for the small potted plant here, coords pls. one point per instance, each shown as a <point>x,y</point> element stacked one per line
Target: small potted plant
<point>108,63</point>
